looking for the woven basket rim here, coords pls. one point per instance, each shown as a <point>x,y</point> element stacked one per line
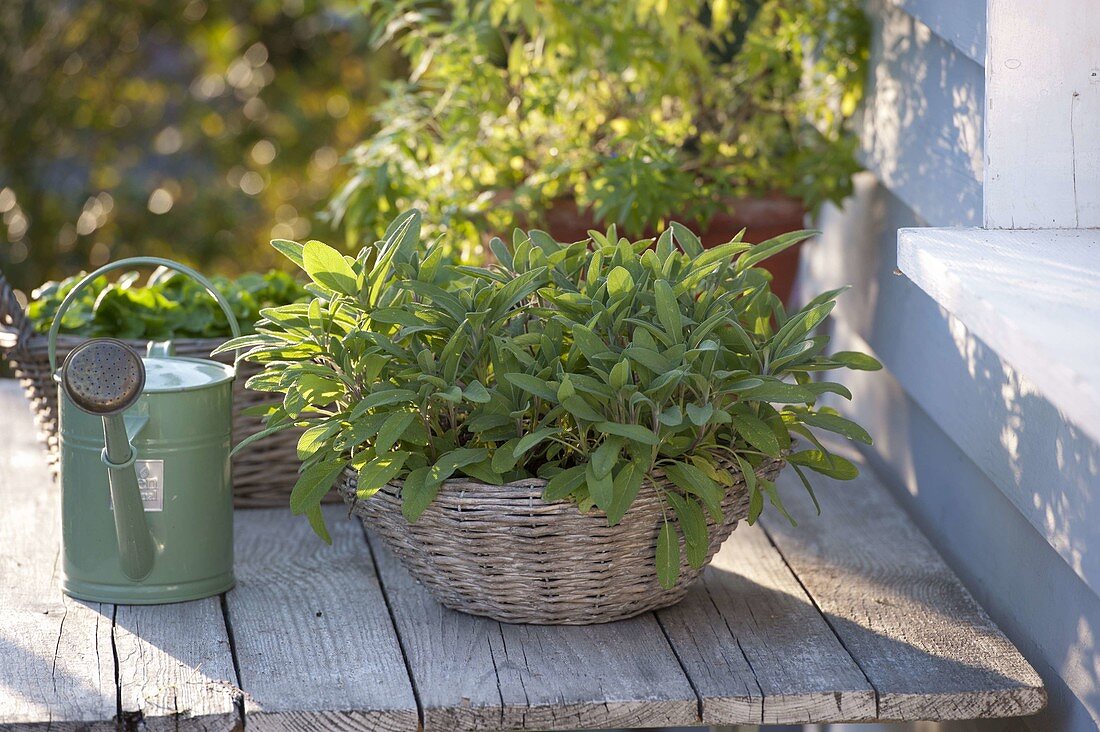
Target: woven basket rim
<point>493,490</point>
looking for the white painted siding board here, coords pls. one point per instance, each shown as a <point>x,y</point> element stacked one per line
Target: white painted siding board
<point>959,22</point>
<point>922,121</point>
<point>1032,296</point>
<point>998,417</point>
<point>1043,115</point>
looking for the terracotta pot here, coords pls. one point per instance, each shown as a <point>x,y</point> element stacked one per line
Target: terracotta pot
<point>764,217</point>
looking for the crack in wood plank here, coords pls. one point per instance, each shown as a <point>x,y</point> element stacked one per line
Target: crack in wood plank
<point>393,626</point>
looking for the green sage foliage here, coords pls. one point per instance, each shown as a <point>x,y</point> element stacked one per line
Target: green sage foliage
<point>591,365</point>
<point>640,111</point>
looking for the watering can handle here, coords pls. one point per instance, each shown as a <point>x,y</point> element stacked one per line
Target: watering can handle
<point>55,327</point>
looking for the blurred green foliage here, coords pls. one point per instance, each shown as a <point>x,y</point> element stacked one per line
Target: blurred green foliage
<point>639,110</point>
<point>169,305</point>
<point>192,129</point>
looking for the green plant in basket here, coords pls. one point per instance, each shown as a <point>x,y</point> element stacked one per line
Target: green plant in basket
<point>592,365</point>
<point>169,305</point>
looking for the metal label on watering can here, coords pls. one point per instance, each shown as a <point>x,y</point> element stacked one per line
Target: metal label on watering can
<point>150,475</point>
<point>150,478</point>
<point>147,502</point>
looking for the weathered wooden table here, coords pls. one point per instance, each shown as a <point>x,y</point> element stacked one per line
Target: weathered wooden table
<point>851,616</point>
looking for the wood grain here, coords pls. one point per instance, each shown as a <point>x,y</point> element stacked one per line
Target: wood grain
<point>56,665</point>
<point>314,642</point>
<point>175,668</point>
<point>476,673</point>
<point>922,641</point>
<point>755,647</point>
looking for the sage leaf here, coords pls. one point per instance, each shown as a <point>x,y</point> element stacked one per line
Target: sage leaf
<point>476,392</point>
<point>392,429</point>
<point>327,267</point>
<point>448,463</point>
<point>668,311</point>
<point>700,415</point>
<point>672,416</point>
<point>836,423</point>
<point>756,504</point>
<point>600,487</point>
<point>578,407</point>
<point>756,433</point>
<point>624,489</point>
<point>691,479</point>
<point>668,556</point>
<point>693,525</point>
<point>773,497</point>
<point>378,472</point>
<point>629,431</point>
<point>605,456</point>
<point>564,483</point>
<point>504,458</point>
<point>856,361</point>
<point>292,250</point>
<point>833,466</point>
<point>317,522</point>
<point>417,493</point>
<point>619,283</point>
<point>313,483</point>
<point>530,440</point>
<point>534,386</point>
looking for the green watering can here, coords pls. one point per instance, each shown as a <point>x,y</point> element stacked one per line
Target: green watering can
<point>146,498</point>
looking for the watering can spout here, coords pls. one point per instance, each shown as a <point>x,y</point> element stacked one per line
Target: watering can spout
<point>104,377</point>
<point>135,543</point>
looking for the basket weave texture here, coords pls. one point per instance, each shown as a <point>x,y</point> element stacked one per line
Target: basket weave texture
<point>263,473</point>
<point>503,552</point>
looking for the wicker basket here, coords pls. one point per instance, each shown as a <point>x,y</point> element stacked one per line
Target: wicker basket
<point>501,551</point>
<point>263,473</point>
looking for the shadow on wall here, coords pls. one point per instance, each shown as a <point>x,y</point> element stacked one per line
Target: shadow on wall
<point>989,464</point>
<point>922,123</point>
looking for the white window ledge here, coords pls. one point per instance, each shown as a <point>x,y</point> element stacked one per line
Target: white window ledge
<point>1033,296</point>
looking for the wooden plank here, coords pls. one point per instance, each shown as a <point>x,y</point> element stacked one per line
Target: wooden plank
<point>56,665</point>
<point>1042,113</point>
<point>922,641</point>
<point>314,641</point>
<point>175,668</point>
<point>755,647</point>
<point>475,673</point>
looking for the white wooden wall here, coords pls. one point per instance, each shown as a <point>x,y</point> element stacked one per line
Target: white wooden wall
<point>1008,492</point>
<point>1043,115</point>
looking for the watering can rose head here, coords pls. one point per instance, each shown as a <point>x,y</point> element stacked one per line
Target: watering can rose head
<point>590,365</point>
